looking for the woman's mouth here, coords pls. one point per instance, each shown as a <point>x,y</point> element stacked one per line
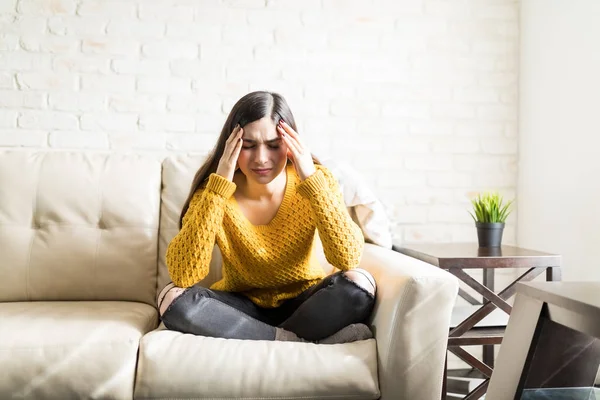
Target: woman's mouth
<point>262,171</point>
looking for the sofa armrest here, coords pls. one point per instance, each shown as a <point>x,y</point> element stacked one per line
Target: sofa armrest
<point>410,320</point>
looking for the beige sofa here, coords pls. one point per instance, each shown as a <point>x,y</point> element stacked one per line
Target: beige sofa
<point>82,243</point>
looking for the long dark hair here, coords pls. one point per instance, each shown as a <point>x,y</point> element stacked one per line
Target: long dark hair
<point>250,108</point>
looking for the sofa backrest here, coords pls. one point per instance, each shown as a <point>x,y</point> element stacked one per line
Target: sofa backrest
<point>178,173</point>
<point>78,226</point>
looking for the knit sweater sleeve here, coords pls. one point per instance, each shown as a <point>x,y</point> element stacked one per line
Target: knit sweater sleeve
<point>343,240</point>
<point>189,253</point>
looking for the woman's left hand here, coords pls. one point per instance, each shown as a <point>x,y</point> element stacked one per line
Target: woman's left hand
<point>297,151</point>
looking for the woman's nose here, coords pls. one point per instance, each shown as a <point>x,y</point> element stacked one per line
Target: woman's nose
<point>260,155</point>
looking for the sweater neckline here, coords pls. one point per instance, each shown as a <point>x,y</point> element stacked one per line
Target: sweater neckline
<point>287,196</point>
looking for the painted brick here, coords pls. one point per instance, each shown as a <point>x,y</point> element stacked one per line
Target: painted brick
<point>217,15</point>
<point>161,13</point>
<point>170,49</point>
<point>192,103</point>
<point>449,179</point>
<point>78,140</point>
<point>46,81</point>
<point>125,27</point>
<point>429,196</point>
<point>167,123</point>
<point>8,6</point>
<point>109,122</point>
<point>457,146</point>
<point>499,145</point>
<point>197,69</point>
<point>474,128</point>
<point>77,101</point>
<point>137,141</point>
<point>246,4</point>
<point>470,163</point>
<point>47,120</point>
<point>41,7</point>
<point>107,8</point>
<point>141,67</point>
<point>350,108</point>
<point>19,99</point>
<point>199,32</point>
<point>23,61</point>
<point>190,141</point>
<point>445,213</point>
<point>23,138</point>
<point>454,110</point>
<point>7,80</point>
<point>497,112</point>
<point>81,63</point>
<point>274,17</point>
<point>21,24</point>
<point>50,44</point>
<point>8,119</point>
<point>244,36</point>
<point>406,110</point>
<point>136,102</point>
<point>431,128</point>
<point>428,163</point>
<point>76,27</point>
<point>163,85</point>
<point>108,83</point>
<point>111,46</point>
<point>9,42</point>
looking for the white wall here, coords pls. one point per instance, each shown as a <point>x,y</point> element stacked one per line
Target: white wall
<point>559,132</point>
<point>421,95</point>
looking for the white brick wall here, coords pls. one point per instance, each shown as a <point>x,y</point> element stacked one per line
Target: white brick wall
<point>420,95</point>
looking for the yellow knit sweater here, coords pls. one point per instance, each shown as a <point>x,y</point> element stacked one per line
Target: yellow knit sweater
<point>267,263</point>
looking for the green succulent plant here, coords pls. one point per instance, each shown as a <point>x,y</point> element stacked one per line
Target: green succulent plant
<point>489,208</point>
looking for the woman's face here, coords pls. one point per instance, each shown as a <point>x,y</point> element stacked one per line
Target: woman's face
<point>264,155</point>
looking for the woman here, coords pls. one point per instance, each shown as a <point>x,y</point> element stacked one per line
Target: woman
<point>260,197</point>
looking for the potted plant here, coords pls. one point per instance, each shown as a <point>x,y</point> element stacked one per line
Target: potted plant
<point>490,213</point>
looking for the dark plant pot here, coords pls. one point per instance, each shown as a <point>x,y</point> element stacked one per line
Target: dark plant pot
<point>489,234</point>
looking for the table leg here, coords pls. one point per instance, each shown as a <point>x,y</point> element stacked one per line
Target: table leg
<point>553,274</point>
<point>488,350</point>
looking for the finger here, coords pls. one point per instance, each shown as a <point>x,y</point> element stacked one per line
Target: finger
<point>235,152</point>
<point>288,129</point>
<point>293,134</point>
<point>292,145</point>
<point>296,143</point>
<point>234,133</point>
<point>230,147</point>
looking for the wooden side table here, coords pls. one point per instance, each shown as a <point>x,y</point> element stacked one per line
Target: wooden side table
<point>456,258</point>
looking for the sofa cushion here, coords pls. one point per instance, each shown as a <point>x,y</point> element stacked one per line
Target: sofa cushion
<point>78,226</point>
<point>67,350</point>
<point>183,366</point>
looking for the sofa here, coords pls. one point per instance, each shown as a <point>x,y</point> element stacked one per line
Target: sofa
<point>83,236</point>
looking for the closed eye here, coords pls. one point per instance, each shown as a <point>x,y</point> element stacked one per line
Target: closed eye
<point>273,147</point>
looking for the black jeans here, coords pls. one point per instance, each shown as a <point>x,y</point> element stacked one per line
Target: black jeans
<point>316,313</point>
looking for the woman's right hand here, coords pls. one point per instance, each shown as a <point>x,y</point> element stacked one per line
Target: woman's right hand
<point>228,161</point>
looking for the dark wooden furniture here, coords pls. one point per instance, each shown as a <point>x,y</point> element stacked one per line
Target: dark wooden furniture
<point>552,339</point>
<point>458,258</point>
